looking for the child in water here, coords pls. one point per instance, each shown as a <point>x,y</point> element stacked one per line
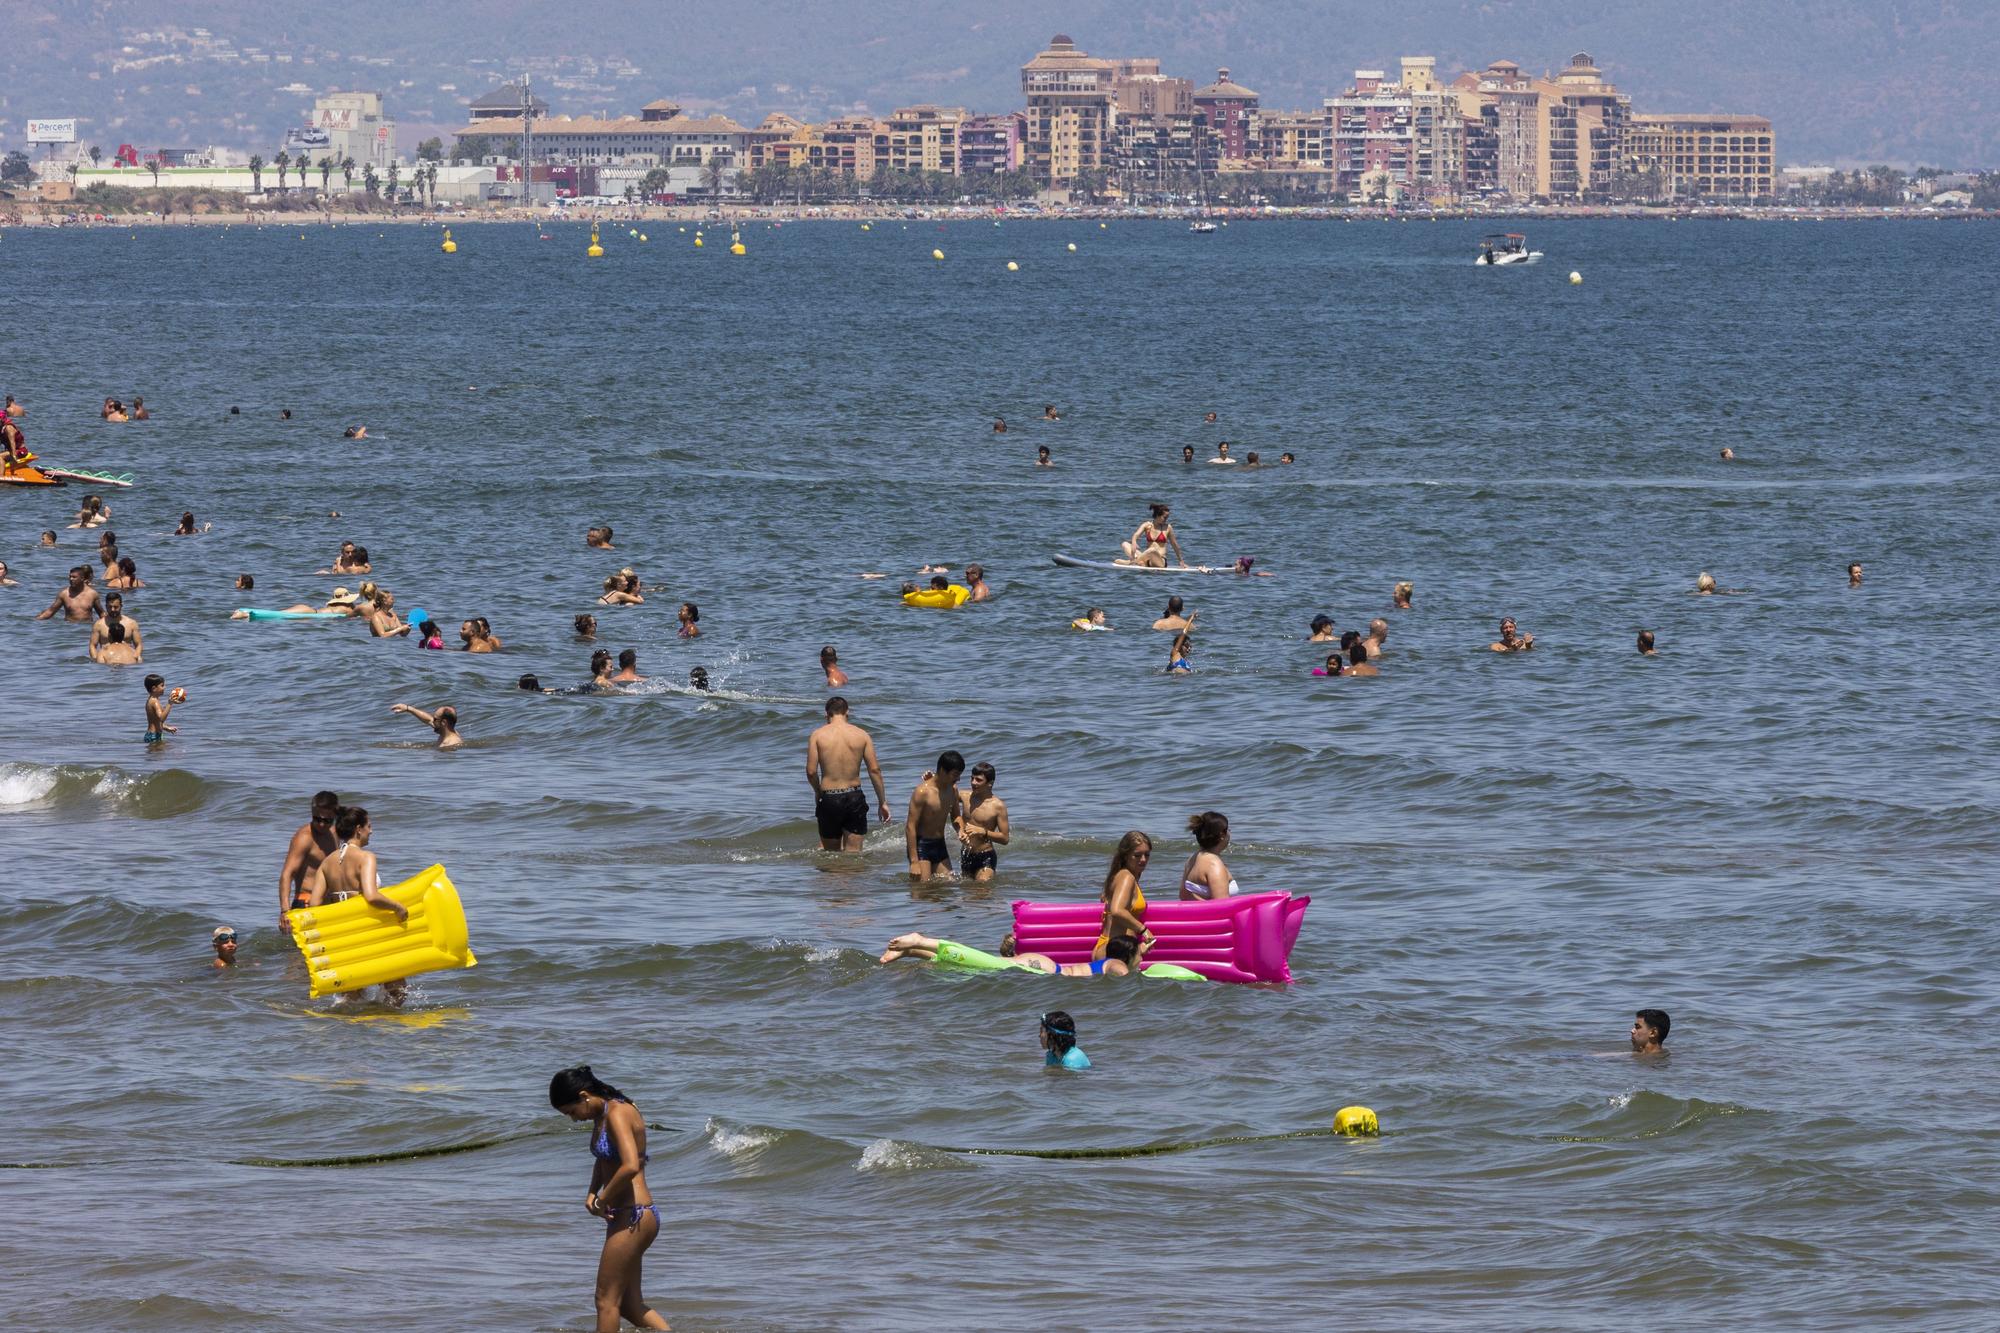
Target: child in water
<point>1059,1042</point>
<point>157,708</point>
<point>224,940</point>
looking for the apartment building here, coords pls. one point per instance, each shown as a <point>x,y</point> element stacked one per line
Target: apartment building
<point>1069,117</point>
<point>1229,108</point>
<point>1410,132</point>
<point>920,138</point>
<point>1704,157</point>
<point>991,145</point>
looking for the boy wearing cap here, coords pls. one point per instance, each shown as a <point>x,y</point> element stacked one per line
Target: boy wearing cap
<point>224,940</point>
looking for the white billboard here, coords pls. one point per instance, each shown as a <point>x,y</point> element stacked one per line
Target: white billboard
<point>52,131</point>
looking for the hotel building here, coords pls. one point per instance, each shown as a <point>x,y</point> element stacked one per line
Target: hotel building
<point>1069,112</point>
<point>1704,157</point>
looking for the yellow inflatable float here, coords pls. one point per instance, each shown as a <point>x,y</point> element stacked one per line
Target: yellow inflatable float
<point>943,599</point>
<point>350,945</point>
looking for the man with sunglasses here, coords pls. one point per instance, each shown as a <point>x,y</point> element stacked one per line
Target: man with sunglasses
<point>310,846</point>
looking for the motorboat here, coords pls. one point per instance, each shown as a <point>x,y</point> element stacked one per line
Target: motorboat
<point>1201,227</point>
<point>1506,248</point>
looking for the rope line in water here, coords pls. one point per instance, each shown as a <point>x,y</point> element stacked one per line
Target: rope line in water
<point>1142,1150</point>
<point>358,1159</point>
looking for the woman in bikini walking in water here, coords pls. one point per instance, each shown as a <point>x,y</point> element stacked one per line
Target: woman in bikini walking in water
<point>618,1192</point>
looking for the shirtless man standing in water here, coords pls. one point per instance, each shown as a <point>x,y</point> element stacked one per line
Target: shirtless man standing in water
<point>309,848</point>
<point>78,601</point>
<point>834,757</point>
<point>983,829</point>
<point>933,806</point>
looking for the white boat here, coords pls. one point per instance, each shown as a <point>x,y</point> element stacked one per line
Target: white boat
<point>1506,248</point>
<point>1201,228</point>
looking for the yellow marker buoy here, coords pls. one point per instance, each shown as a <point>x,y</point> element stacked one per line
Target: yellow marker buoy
<point>450,246</point>
<point>738,249</point>
<point>1101,226</point>
<point>1575,278</point>
<point>864,226</point>
<point>1013,267</point>
<point>937,254</point>
<point>697,242</point>
<point>1356,1122</point>
<point>1072,247</point>
<point>595,251</point>
<point>642,237</point>
<point>632,231</point>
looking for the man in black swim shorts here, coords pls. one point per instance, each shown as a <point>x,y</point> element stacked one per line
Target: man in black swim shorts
<point>834,758</point>
<point>934,806</point>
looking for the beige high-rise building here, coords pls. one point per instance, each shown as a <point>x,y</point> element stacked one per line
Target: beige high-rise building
<point>1560,139</point>
<point>1069,112</point>
<point>1704,157</point>
<point>920,138</point>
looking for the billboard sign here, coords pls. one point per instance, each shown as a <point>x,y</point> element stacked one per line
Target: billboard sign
<point>308,138</point>
<point>336,118</point>
<point>52,131</point>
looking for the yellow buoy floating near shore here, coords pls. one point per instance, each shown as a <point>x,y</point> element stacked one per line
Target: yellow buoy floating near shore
<point>595,251</point>
<point>697,242</point>
<point>1072,247</point>
<point>738,249</point>
<point>937,254</point>
<point>450,246</point>
<point>1575,278</point>
<point>864,226</point>
<point>642,238</point>
<point>1013,267</point>
<point>1356,1122</point>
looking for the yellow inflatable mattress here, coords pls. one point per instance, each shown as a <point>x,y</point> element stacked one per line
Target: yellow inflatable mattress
<point>349,945</point>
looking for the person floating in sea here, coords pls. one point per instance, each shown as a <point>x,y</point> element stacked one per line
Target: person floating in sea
<point>1187,453</point>
<point>114,410</point>
<point>1646,648</point>
<point>698,679</point>
<point>1728,454</point>
<point>689,616</point>
<point>618,1193</point>
<point>1121,957</point>
<point>158,705</point>
<point>599,538</point>
<point>308,848</point>
<point>983,829</point>
<point>1286,458</point>
<point>354,433</point>
<point>1399,600</point>
<point>223,940</point>
<point>1358,663</point>
<point>1206,877</point>
<point>1093,619</point>
<point>975,582</point>
<point>478,637</point>
<point>586,626</point>
<point>1208,418</point>
<point>1173,619</point>
<point>1049,412</point>
<point>1222,454</point>
<point>187,527</point>
<point>600,671</point>
<point>127,576</point>
<point>1854,575</point>
<point>77,601</point>
<point>1251,461</point>
<point>139,412</point>
<point>444,722</point>
<point>1058,1038</point>
<point>7,580</point>
<point>829,665</point>
<point>1649,1032</point>
<point>382,620</point>
<point>1150,540</point>
<point>934,805</point>
<point>1322,629</point>
<point>1511,639</point>
<point>1178,662</point>
<point>999,425</point>
<point>1042,458</point>
<point>433,636</point>
<point>1333,666</point>
<point>835,754</point>
<point>616,593</point>
<point>1378,635</point>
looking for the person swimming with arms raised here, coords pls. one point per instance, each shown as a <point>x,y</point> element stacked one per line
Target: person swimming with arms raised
<point>1511,639</point>
<point>444,722</point>
<point>1178,660</point>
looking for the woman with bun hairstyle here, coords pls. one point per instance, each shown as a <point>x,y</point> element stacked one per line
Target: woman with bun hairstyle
<point>1205,876</point>
<point>618,1192</point>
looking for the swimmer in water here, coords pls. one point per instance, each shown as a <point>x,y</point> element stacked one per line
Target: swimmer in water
<point>829,665</point>
<point>999,425</point>
<point>382,621</point>
<point>1187,453</point>
<point>139,412</point>
<point>1853,575</point>
<point>934,805</point>
<point>7,581</point>
<point>1358,663</point>
<point>157,708</point>
<point>600,670</point>
<point>599,539</point>
<point>628,668</point>
<point>127,576</point>
<point>1646,643</point>
<point>1206,877</point>
<point>1093,619</point>
<point>444,722</point>
<point>1049,412</point>
<point>698,679</point>
<point>1727,453</point>
<point>1042,458</point>
<point>1251,461</point>
<point>477,636</point>
<point>1704,586</point>
<point>835,755</point>
<point>1172,620</point>
<point>1123,900</point>
<point>48,539</point>
<point>983,829</point>
<point>1378,635</point>
<point>77,601</point>
<point>690,617</point>
<point>1058,1038</point>
<point>1322,629</point>
<point>1399,600</point>
<point>114,640</point>
<point>223,940</point>
<point>355,433</point>
<point>975,579</point>
<point>532,684</point>
<point>1122,956</point>
<point>615,593</point>
<point>187,526</point>
<point>586,626</point>
<point>1333,666</point>
<point>1649,1032</point>
<point>113,410</point>
<point>1178,663</point>
<point>1511,639</point>
<point>1150,540</point>
<point>618,1193</point>
<point>1208,419</point>
<point>1222,454</point>
<point>1286,458</point>
<point>308,848</point>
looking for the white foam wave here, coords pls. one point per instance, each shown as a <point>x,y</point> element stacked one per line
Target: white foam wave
<point>736,1142</point>
<point>896,1155</point>
<point>24,784</point>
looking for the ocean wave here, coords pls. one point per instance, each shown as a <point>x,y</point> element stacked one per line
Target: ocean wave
<point>162,795</point>
<point>1643,1114</point>
<point>900,1155</point>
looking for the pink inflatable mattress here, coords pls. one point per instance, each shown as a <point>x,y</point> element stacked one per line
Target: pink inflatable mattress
<point>1245,938</point>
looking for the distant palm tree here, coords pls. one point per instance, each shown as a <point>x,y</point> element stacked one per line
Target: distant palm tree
<point>284,163</point>
<point>325,172</point>
<point>711,175</point>
<point>256,173</point>
<point>370,181</point>
<point>395,169</point>
<point>96,155</point>
<point>347,170</point>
